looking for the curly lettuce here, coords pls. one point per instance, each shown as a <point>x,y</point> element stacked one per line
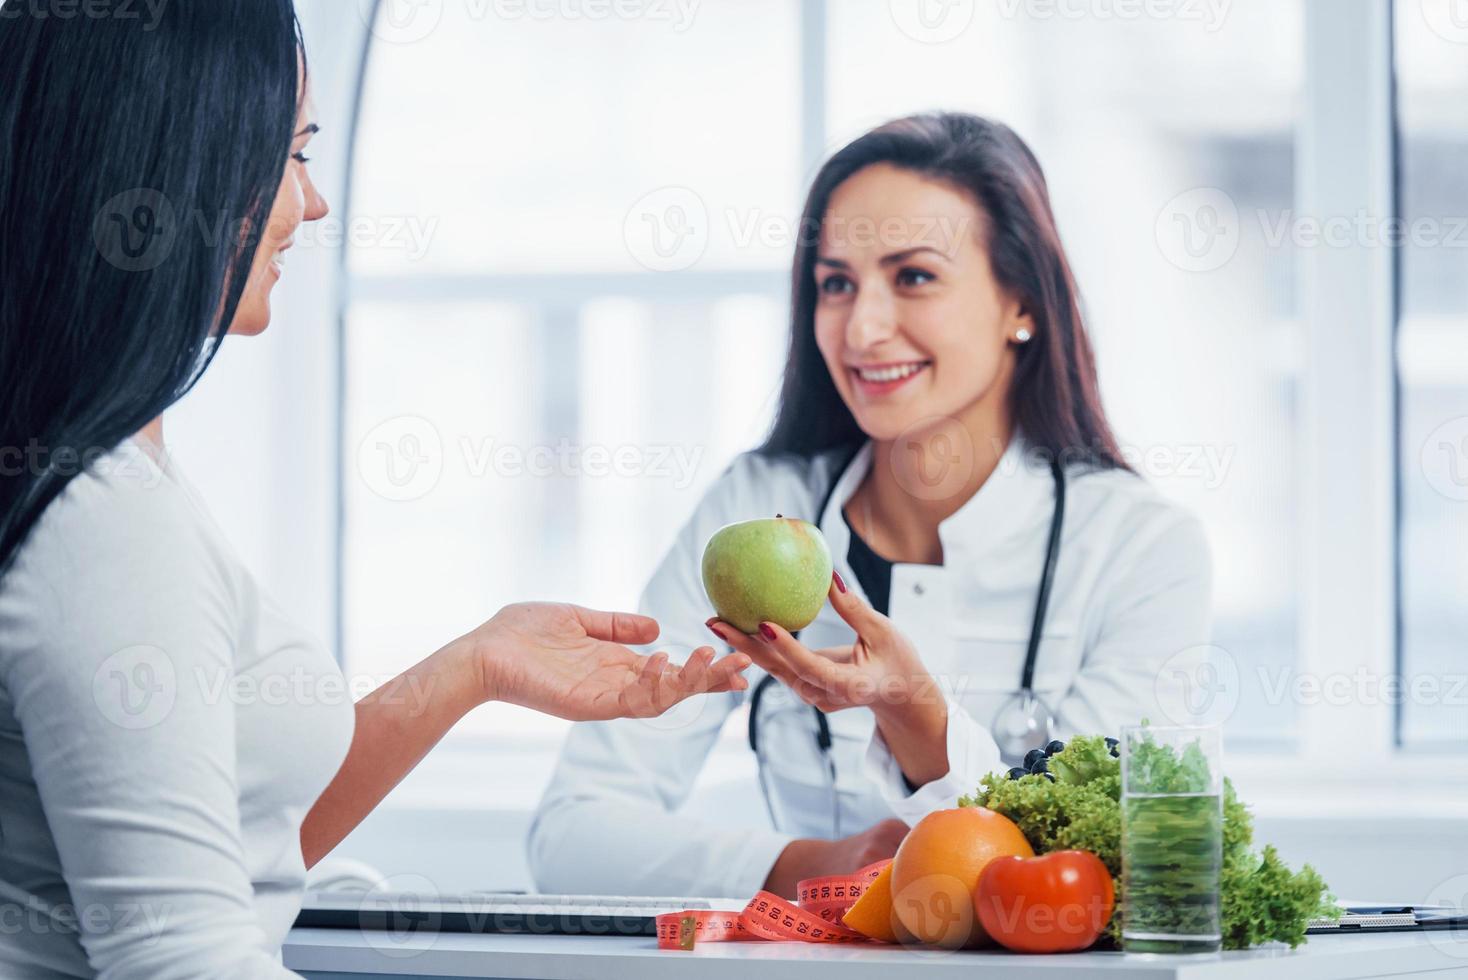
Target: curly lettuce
<point>1262,900</point>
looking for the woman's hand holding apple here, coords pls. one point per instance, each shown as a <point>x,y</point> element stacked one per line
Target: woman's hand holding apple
<point>881,671</point>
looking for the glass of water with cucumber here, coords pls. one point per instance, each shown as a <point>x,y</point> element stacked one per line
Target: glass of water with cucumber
<point>1171,838</point>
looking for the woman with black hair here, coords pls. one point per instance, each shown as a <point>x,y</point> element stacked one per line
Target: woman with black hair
<point>1002,578</point>
<point>174,752</point>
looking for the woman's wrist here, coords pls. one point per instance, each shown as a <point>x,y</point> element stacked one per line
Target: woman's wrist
<point>916,733</point>
<point>468,668</point>
<point>910,702</point>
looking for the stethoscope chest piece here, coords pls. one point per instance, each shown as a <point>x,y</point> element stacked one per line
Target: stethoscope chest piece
<point>1023,722</point>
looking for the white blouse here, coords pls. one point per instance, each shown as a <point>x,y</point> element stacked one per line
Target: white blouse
<point>163,730</point>
<point>1131,594</point>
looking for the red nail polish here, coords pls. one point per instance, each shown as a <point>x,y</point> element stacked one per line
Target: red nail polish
<point>714,630</point>
<point>767,631</point>
<point>840,584</point>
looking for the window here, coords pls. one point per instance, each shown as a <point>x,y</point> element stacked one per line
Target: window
<point>534,402</point>
<point>1432,358</point>
<point>594,222</point>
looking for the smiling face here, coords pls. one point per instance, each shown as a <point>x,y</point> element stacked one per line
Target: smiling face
<point>909,318</point>
<point>296,201</point>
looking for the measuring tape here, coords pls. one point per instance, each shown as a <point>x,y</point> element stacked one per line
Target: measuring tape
<point>815,917</point>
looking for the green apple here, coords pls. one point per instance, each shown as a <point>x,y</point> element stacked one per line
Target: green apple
<point>767,571</point>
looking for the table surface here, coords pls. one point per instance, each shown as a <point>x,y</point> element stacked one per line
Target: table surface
<point>343,952</point>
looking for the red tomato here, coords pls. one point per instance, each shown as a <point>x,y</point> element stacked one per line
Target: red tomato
<point>1057,903</point>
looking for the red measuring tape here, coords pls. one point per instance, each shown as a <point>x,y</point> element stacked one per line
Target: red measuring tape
<point>815,917</point>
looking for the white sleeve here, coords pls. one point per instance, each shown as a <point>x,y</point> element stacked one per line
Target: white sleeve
<point>608,822</point>
<point>972,754</point>
<point>1158,607</point>
<point>133,758</point>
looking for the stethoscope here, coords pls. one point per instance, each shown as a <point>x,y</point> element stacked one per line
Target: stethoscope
<point>1023,722</point>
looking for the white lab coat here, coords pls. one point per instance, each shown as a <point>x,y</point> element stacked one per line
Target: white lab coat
<point>1131,592</point>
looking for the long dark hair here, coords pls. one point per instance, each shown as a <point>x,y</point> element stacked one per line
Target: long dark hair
<point>1055,401</point>
<point>140,156</point>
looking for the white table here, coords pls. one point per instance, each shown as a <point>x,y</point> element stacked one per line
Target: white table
<point>328,954</point>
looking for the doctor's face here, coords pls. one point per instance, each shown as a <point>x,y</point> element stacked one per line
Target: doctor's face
<point>909,318</point>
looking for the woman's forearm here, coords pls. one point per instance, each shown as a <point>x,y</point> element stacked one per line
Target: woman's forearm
<point>916,734</point>
<point>397,725</point>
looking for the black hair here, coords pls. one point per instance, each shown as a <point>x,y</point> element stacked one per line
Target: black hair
<point>1055,398</point>
<point>140,157</point>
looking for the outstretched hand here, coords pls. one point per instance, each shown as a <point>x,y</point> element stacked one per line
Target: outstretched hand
<point>572,662</point>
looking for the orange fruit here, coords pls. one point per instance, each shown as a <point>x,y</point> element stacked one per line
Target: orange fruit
<point>937,868</point>
<point>872,914</point>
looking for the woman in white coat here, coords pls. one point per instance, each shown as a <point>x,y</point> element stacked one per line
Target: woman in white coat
<point>940,422</point>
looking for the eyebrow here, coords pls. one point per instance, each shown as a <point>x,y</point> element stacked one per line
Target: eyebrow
<point>886,260</point>
<point>310,130</point>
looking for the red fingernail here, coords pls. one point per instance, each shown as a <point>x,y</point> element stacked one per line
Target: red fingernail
<point>840,585</point>
<point>767,631</point>
<point>714,630</point>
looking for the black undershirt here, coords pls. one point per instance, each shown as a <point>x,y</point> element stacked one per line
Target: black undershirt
<point>872,571</point>
<point>874,574</point>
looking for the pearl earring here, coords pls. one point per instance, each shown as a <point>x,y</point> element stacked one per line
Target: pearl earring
<point>1023,336</point>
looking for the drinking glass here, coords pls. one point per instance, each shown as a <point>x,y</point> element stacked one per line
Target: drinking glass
<point>1171,838</point>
